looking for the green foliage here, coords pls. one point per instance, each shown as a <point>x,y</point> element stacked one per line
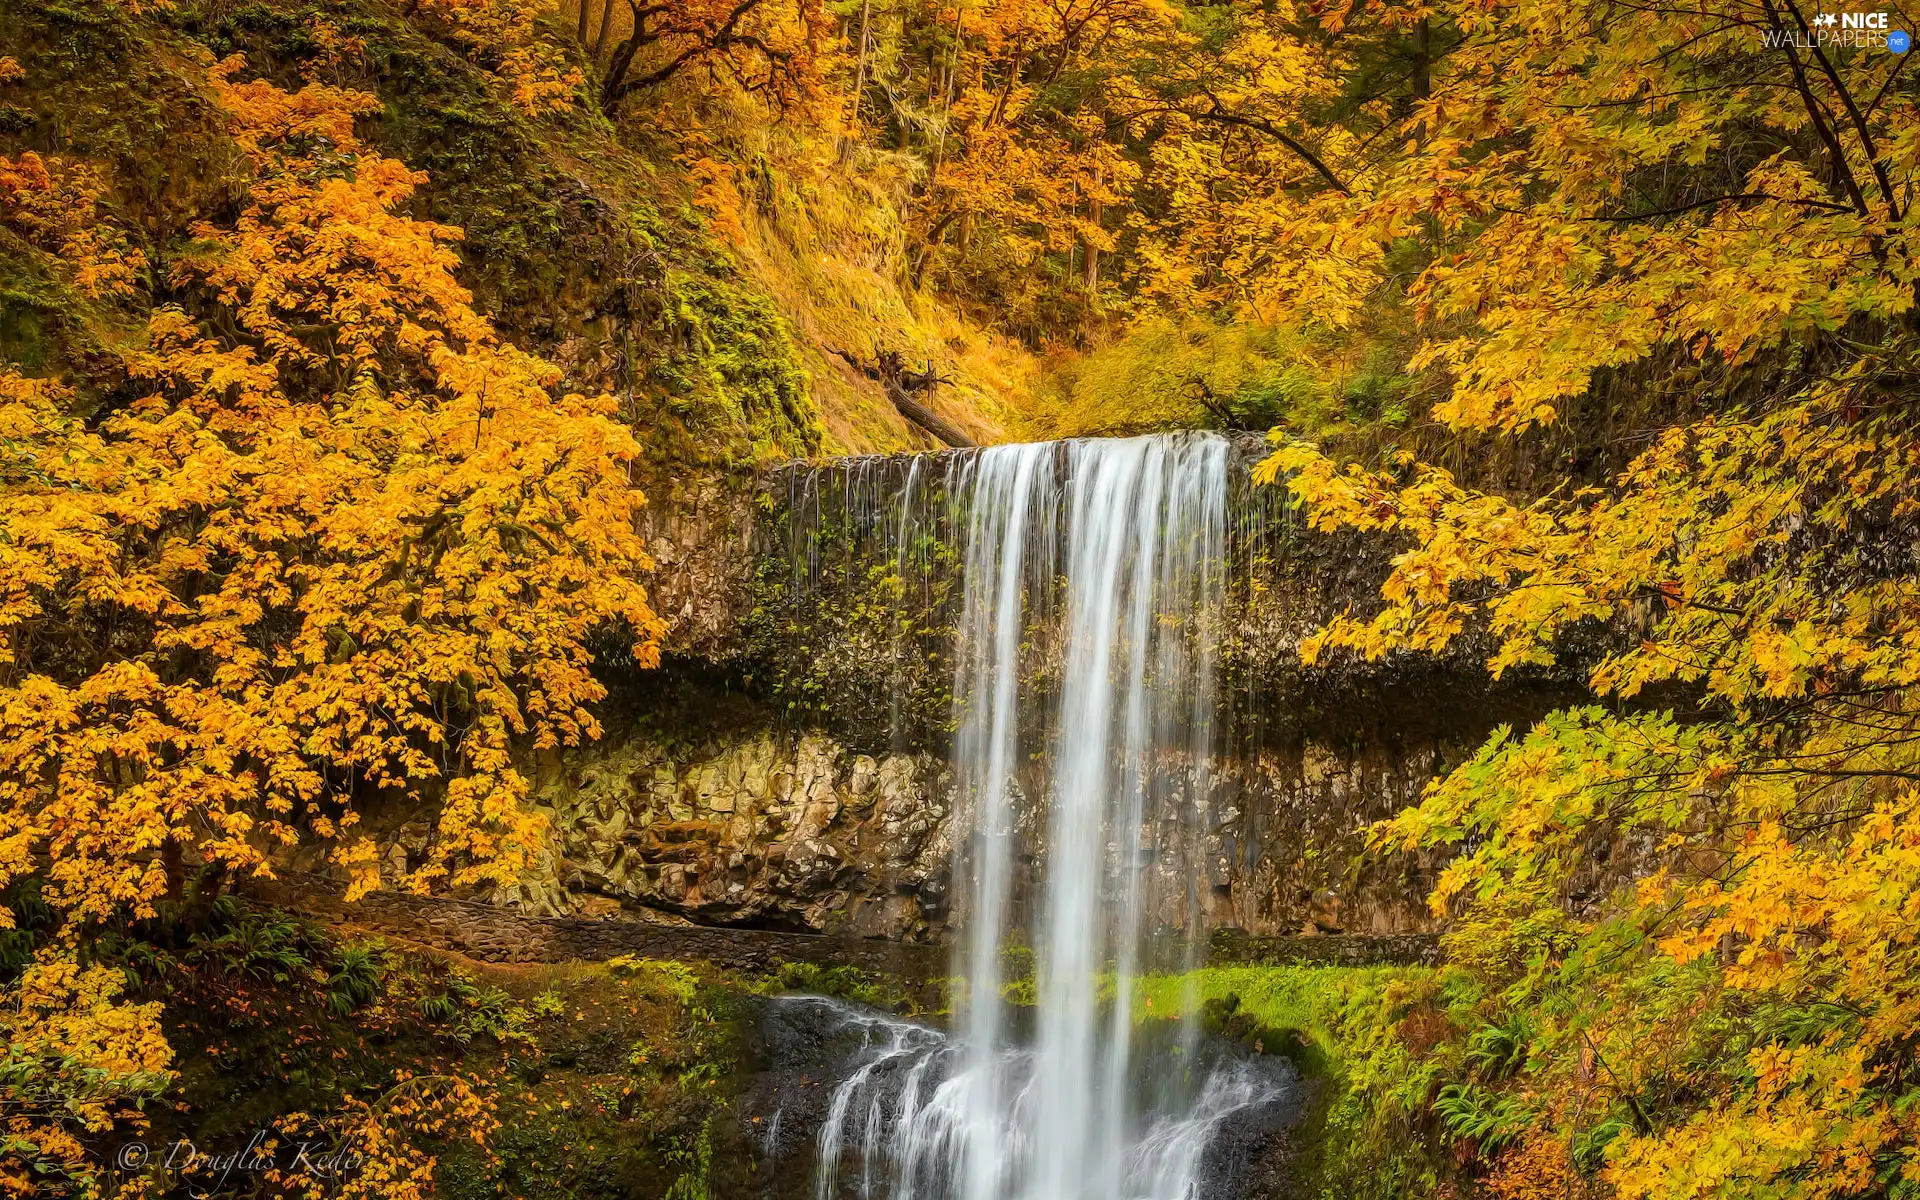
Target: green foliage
<point>33,920</point>
<point>356,979</point>
<point>1378,393</point>
<point>466,1009</point>
<point>696,1162</point>
<point>658,978</point>
<point>1198,373</point>
<point>587,1121</point>
<point>1492,1121</point>
<point>845,612</point>
<point>1498,1050</point>
<point>844,983</point>
<point>731,369</point>
<point>266,946</point>
<point>32,312</point>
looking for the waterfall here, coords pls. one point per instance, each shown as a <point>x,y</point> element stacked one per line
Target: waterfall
<point>1084,681</point>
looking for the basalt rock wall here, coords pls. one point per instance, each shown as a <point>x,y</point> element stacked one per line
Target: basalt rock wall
<point>786,767</point>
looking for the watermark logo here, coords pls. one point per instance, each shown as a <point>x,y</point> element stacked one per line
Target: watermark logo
<point>1840,31</point>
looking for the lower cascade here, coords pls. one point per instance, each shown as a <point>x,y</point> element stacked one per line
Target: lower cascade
<point>910,1122</point>
<point>1084,696</point>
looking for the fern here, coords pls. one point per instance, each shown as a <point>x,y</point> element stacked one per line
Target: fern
<point>1491,1121</point>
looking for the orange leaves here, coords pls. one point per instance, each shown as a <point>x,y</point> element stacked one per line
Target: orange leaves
<point>1587,194</point>
<point>1815,917</point>
<point>716,191</point>
<point>362,547</point>
<point>265,115</point>
<point>1735,562</point>
<point>379,1145</point>
<point>1691,542</point>
<point>351,544</point>
<point>1599,201</point>
<point>55,205</point>
<point>1039,169</point>
<point>501,35</point>
<point>1537,1170</point>
<point>1810,1129</point>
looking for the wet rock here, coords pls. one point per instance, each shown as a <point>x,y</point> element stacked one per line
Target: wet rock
<point>1323,912</point>
<point>787,830</point>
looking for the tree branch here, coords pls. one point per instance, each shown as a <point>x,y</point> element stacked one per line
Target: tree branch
<point>1219,115</point>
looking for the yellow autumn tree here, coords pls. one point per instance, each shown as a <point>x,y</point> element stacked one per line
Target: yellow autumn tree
<point>331,540</point>
<point>1253,151</point>
<point>1026,154</point>
<point>78,1062</point>
<point>1706,210</point>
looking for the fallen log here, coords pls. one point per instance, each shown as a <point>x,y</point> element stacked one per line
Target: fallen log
<point>890,370</point>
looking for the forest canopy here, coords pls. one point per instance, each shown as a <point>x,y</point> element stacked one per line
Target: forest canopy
<point>324,457</point>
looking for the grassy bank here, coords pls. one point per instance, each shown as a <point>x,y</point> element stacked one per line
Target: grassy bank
<point>1373,1044</point>
<point>400,1068</point>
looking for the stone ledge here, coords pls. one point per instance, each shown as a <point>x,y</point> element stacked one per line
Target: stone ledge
<point>1233,947</point>
<point>493,934</point>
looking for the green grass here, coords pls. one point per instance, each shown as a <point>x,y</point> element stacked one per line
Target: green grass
<point>1357,1034</point>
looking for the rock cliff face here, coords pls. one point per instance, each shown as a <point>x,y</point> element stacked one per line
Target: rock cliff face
<point>792,829</point>
<point>700,535</point>
<point>786,767</point>
<point>770,828</point>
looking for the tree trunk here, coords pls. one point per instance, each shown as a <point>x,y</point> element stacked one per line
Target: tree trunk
<point>926,418</point>
<point>617,69</point>
<point>845,149</point>
<point>946,110</point>
<point>207,886</point>
<point>1090,267</point>
<point>173,865</point>
<point>580,24</point>
<point>606,23</point>
<point>1422,60</point>
<point>890,371</point>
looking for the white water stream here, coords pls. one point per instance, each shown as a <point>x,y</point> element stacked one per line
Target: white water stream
<point>1085,678</point>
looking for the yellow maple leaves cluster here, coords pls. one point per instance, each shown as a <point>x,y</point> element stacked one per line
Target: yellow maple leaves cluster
<point>373,1149</point>
<point>55,204</point>
<point>334,540</point>
<point>1734,1015</point>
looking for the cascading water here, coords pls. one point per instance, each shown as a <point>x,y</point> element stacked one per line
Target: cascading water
<point>1084,679</point>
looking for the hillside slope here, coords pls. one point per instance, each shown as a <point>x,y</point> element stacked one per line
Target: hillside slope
<point>713,308</point>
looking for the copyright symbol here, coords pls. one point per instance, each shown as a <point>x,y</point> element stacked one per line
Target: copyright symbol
<point>132,1156</point>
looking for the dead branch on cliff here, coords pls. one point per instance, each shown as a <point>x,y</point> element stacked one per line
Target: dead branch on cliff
<point>890,370</point>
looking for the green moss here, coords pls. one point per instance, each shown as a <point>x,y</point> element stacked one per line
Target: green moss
<point>733,368</point>
<point>490,168</point>
<point>840,611</point>
<point>606,1079</point>
<point>845,983</point>
<point>103,86</point>
<point>31,314</point>
<point>1367,1037</point>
